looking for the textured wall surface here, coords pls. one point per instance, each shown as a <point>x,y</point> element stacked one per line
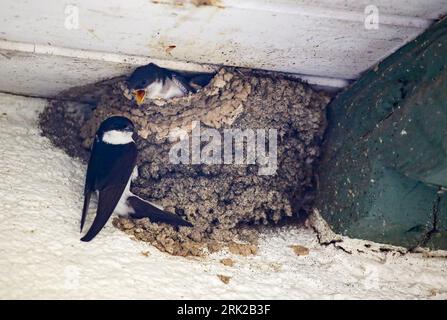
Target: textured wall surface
<point>324,41</point>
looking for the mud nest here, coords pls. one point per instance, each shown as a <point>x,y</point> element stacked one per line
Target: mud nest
<point>219,199</point>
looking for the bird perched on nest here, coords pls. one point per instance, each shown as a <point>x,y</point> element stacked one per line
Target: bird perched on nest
<point>111,169</point>
<point>154,82</point>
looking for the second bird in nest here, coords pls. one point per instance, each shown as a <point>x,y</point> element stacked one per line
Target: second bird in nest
<point>154,82</point>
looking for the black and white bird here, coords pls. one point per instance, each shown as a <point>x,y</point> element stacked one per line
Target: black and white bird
<point>154,82</point>
<point>111,169</point>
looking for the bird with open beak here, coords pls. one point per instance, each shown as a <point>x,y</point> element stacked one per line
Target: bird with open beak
<point>154,82</point>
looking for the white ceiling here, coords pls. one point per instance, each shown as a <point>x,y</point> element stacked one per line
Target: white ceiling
<point>323,40</point>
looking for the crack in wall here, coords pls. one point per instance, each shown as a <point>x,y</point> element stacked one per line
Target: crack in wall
<point>435,222</point>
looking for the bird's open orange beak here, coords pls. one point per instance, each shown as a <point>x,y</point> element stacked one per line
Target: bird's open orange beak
<point>139,96</point>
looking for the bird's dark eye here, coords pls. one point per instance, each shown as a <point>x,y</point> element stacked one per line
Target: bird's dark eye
<point>143,82</point>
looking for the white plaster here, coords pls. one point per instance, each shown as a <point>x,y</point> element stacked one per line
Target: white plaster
<point>322,41</point>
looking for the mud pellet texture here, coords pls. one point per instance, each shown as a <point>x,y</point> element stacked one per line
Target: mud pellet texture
<point>221,200</point>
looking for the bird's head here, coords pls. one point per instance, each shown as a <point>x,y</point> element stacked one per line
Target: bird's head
<point>141,79</point>
<point>116,130</point>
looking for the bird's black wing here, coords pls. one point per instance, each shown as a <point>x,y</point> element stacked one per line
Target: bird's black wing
<point>145,209</point>
<point>114,167</point>
<point>182,83</point>
<point>89,182</point>
<point>200,80</point>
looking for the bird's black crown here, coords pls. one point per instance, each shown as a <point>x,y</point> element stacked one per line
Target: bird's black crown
<point>116,123</point>
<point>145,75</point>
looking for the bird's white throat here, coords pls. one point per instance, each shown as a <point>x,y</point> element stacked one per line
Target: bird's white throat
<point>167,90</point>
<point>117,137</point>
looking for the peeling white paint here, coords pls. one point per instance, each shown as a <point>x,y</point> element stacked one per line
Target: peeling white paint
<point>322,41</point>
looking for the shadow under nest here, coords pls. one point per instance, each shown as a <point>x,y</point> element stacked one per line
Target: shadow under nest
<point>219,199</point>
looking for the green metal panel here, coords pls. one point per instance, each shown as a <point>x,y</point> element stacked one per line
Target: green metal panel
<point>385,153</point>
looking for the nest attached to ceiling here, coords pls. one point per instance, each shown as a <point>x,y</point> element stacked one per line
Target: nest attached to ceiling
<point>219,199</point>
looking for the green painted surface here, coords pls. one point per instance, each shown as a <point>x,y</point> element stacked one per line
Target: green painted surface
<point>385,154</point>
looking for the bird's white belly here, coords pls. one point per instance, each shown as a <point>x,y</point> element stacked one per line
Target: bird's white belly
<point>122,208</point>
<point>167,90</point>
